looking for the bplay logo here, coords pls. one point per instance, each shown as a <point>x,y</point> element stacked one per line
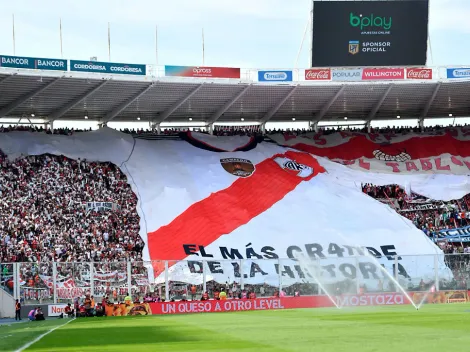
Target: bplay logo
<point>370,22</point>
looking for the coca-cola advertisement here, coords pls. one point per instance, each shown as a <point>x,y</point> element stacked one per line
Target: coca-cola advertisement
<point>318,74</point>
<point>419,73</point>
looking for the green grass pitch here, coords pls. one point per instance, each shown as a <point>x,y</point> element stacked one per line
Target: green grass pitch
<point>397,329</point>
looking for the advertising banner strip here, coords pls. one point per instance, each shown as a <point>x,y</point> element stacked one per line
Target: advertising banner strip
<point>33,63</point>
<point>318,74</point>
<point>275,76</point>
<point>456,234</point>
<point>54,310</point>
<point>202,72</point>
<point>346,75</point>
<point>107,67</point>
<point>463,72</point>
<point>383,74</point>
<point>419,73</point>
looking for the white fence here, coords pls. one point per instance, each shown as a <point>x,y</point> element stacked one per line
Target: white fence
<point>53,282</point>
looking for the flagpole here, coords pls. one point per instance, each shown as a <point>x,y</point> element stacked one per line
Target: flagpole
<point>109,42</point>
<point>14,40</point>
<point>311,35</point>
<point>156,45</point>
<point>60,31</point>
<point>203,54</point>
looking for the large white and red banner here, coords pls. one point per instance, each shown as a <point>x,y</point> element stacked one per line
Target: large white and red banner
<point>234,208</point>
<point>446,152</point>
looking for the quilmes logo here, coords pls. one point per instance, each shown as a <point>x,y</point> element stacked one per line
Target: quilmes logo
<point>370,22</point>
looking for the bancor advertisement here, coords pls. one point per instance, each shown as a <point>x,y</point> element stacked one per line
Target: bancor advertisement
<point>370,33</point>
<point>33,63</point>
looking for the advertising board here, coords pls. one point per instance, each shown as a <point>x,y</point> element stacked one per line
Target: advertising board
<point>202,72</point>
<point>275,76</point>
<point>33,63</point>
<point>107,67</point>
<point>370,33</point>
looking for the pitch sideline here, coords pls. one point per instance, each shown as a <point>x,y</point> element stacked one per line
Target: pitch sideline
<point>29,344</point>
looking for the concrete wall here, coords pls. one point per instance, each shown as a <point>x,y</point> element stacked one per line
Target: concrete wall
<point>7,305</point>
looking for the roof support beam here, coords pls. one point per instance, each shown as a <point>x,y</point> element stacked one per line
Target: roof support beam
<point>377,106</point>
<point>321,114</point>
<point>276,107</point>
<point>6,78</point>
<point>427,107</point>
<point>164,115</point>
<point>116,111</point>
<point>13,105</point>
<point>227,106</point>
<point>62,111</point>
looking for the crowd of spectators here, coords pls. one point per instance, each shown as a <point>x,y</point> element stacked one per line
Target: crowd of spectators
<point>44,218</point>
<point>43,215</point>
<point>428,215</point>
<point>233,130</point>
<point>41,129</point>
<point>51,210</point>
<point>401,130</point>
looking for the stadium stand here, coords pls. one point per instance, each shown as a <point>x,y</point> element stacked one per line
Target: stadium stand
<point>44,218</point>
<point>240,130</point>
<point>43,215</point>
<point>431,218</point>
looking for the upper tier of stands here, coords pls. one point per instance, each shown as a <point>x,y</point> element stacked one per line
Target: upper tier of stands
<point>233,130</point>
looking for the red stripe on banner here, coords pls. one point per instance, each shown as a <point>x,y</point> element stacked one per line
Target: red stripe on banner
<point>224,211</point>
<point>417,147</point>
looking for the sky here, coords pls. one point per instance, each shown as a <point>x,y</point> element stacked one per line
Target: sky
<point>241,33</point>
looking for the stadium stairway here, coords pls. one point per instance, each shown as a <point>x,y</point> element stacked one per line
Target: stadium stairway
<point>7,305</point>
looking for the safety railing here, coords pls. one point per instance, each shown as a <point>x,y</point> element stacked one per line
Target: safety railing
<point>57,282</point>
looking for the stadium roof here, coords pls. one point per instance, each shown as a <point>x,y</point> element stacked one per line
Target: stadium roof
<point>71,96</point>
